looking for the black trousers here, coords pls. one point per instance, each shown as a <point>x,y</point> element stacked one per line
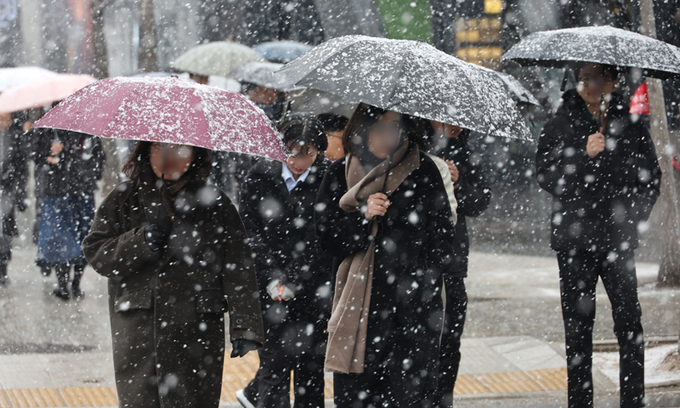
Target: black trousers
<point>449,350</point>
<point>295,340</point>
<point>579,273</point>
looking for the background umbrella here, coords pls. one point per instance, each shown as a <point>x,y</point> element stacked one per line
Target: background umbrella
<point>282,51</point>
<point>262,73</point>
<point>15,77</point>
<point>42,92</point>
<point>168,110</point>
<point>601,45</point>
<point>411,78</point>
<point>215,58</point>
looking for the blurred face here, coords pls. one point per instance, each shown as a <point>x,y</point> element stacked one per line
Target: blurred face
<point>5,121</point>
<point>301,159</point>
<point>446,130</point>
<point>200,79</point>
<point>170,161</point>
<point>263,95</point>
<point>383,136</point>
<point>335,150</point>
<point>593,83</point>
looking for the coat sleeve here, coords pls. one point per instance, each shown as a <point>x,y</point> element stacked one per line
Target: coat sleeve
<point>266,263</point>
<point>648,180</point>
<point>473,193</point>
<point>564,169</point>
<point>239,280</point>
<point>112,251</point>
<point>340,233</point>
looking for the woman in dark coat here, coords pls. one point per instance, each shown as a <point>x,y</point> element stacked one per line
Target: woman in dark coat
<point>601,169</point>
<point>176,256</point>
<point>472,195</point>
<point>277,207</point>
<point>396,239</point>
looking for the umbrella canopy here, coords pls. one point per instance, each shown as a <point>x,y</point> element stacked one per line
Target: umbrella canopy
<point>216,58</point>
<point>42,92</point>
<point>282,51</point>
<point>262,73</point>
<point>11,78</point>
<point>411,78</point>
<point>168,110</point>
<point>601,45</point>
<point>518,92</point>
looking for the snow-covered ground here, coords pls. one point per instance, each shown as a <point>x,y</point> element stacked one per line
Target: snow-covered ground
<point>662,365</point>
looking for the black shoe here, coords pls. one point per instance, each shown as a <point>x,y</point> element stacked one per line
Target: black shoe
<point>45,270</point>
<point>77,293</point>
<point>4,281</point>
<point>61,294</point>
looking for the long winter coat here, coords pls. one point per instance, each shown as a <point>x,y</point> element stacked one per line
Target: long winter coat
<point>473,195</point>
<point>597,202</point>
<point>281,228</point>
<point>413,250</point>
<point>167,308</point>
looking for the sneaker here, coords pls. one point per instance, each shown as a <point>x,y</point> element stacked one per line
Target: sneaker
<point>243,400</point>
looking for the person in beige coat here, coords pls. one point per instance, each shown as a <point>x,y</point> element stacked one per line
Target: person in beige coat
<point>173,249</point>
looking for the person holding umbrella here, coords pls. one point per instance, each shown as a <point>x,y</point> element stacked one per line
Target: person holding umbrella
<point>395,234</point>
<point>601,168</point>
<point>172,246</point>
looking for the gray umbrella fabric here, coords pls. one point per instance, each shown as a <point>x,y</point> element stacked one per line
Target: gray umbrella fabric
<point>216,58</point>
<point>602,45</point>
<point>262,73</point>
<point>412,78</point>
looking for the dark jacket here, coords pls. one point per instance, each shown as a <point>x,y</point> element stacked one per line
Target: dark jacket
<point>599,202</point>
<point>50,179</point>
<point>473,196</point>
<point>15,153</point>
<point>281,229</point>
<point>167,307</point>
<point>86,164</point>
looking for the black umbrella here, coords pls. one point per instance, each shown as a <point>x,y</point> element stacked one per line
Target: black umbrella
<point>601,45</point>
<point>412,78</point>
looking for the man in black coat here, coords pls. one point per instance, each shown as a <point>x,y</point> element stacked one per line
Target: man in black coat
<point>602,171</point>
<point>277,208</point>
<point>473,195</point>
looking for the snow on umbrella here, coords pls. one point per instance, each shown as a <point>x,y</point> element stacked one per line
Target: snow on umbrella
<point>282,51</point>
<point>42,92</point>
<point>262,73</point>
<point>215,58</point>
<point>517,90</point>
<point>11,78</point>
<point>601,45</point>
<point>412,78</point>
<point>168,110</point>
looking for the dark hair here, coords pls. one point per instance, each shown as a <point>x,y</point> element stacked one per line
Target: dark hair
<point>140,156</point>
<point>332,122</point>
<point>303,129</point>
<point>365,116</point>
<point>611,69</point>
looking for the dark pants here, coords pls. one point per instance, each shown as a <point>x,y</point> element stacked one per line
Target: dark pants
<point>579,272</point>
<point>449,350</point>
<point>401,362</point>
<point>294,340</point>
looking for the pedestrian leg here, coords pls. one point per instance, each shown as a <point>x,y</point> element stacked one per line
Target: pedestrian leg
<point>62,270</point>
<point>78,269</point>
<point>620,282</point>
<point>449,351</point>
<point>578,280</point>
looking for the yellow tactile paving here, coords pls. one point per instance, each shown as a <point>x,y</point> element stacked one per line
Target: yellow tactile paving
<point>469,385</point>
<point>4,400</point>
<point>552,379</point>
<point>510,382</point>
<point>89,397</point>
<point>35,398</point>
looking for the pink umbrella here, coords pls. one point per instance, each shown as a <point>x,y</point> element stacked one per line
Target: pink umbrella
<point>42,92</point>
<point>168,110</point>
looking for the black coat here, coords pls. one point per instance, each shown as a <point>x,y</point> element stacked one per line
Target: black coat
<point>86,163</point>
<point>280,225</point>
<point>16,150</point>
<point>50,179</point>
<point>473,196</point>
<point>599,202</point>
<point>413,250</point>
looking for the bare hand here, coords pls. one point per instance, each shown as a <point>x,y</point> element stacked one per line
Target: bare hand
<point>57,147</point>
<point>453,169</point>
<point>595,144</point>
<point>52,160</point>
<point>280,287</point>
<point>377,206</point>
